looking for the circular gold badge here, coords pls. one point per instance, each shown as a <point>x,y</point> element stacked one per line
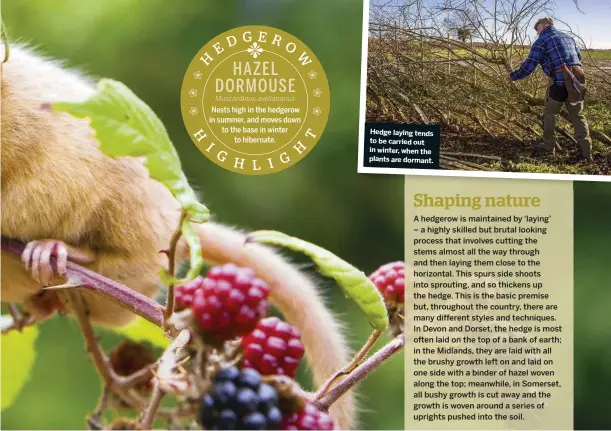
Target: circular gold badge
<point>255,100</point>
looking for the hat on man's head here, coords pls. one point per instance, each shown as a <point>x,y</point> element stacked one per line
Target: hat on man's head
<point>546,20</point>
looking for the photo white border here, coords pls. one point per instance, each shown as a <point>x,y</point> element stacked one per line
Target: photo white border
<point>436,172</point>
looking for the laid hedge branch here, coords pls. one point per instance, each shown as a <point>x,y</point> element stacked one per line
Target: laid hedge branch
<point>419,72</point>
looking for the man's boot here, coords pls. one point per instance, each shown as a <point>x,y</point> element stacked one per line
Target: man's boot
<point>545,148</point>
<point>586,148</point>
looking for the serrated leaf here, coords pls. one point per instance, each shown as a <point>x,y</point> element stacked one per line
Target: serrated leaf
<point>143,330</point>
<point>354,283</point>
<point>18,357</point>
<point>126,126</point>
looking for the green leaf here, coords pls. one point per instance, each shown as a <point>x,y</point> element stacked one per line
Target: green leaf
<point>195,249</point>
<point>18,356</point>
<point>126,126</point>
<point>354,283</point>
<point>143,330</point>
<point>167,278</point>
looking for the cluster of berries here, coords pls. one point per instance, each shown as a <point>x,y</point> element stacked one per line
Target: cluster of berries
<point>231,303</point>
<point>227,303</point>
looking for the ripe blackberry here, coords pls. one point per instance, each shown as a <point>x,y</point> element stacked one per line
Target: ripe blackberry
<point>390,281</point>
<point>274,347</point>
<point>183,293</point>
<point>239,400</point>
<point>309,418</point>
<point>230,302</point>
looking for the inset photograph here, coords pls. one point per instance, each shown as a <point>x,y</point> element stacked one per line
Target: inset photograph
<point>519,86</point>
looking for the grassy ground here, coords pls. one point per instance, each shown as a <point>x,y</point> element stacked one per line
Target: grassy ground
<point>600,54</point>
<point>520,156</point>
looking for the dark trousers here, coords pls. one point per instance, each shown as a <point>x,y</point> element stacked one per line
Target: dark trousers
<point>557,97</point>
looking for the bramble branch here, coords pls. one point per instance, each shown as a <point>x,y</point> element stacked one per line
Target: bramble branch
<point>168,377</point>
<point>82,278</point>
<point>112,382</point>
<point>360,373</point>
<point>20,320</point>
<point>169,307</point>
<point>358,358</point>
<point>87,279</point>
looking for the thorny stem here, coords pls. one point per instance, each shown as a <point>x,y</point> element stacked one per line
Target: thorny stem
<point>20,320</point>
<point>94,421</point>
<point>110,379</point>
<point>360,373</point>
<point>15,314</point>
<point>168,376</point>
<point>149,415</point>
<point>143,375</point>
<point>169,307</point>
<point>139,304</point>
<point>287,388</point>
<point>169,367</point>
<point>375,335</point>
<point>100,361</point>
<point>16,326</point>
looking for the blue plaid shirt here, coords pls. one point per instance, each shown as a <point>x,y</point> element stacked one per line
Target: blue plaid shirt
<point>550,50</point>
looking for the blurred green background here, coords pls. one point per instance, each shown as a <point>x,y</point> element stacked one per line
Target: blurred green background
<point>148,46</point>
<point>592,305</point>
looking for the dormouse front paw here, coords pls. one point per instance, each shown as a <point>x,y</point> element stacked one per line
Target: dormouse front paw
<point>37,259</point>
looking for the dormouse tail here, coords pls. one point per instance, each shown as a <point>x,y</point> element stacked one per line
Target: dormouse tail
<point>297,298</point>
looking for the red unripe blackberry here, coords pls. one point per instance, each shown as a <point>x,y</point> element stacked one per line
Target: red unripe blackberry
<point>390,281</point>
<point>273,348</point>
<point>184,293</point>
<point>309,418</point>
<point>230,302</point>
